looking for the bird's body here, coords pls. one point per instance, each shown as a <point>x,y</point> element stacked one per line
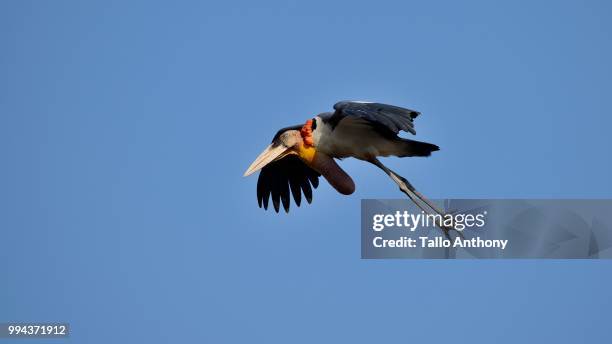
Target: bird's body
<point>347,140</point>
<point>355,137</point>
<point>300,154</point>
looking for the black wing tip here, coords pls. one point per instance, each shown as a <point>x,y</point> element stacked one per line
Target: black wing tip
<point>283,178</point>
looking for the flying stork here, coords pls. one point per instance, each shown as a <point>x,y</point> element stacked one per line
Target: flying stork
<point>300,154</point>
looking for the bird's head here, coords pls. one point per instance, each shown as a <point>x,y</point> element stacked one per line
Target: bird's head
<point>291,141</point>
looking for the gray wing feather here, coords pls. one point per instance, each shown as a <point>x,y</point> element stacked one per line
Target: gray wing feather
<point>389,117</point>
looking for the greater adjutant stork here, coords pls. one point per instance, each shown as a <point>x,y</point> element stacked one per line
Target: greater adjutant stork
<point>299,154</point>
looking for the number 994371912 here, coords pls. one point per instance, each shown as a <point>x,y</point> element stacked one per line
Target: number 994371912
<point>34,330</point>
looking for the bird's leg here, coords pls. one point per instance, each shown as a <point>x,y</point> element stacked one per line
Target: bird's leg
<point>411,192</point>
<point>400,181</point>
<point>406,187</point>
<point>418,194</point>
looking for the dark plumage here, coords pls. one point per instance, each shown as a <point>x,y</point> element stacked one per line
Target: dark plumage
<point>280,177</point>
<point>388,119</point>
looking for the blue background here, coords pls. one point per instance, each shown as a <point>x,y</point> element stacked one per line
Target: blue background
<point>125,128</point>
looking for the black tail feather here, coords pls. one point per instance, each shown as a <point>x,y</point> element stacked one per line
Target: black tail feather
<point>416,148</point>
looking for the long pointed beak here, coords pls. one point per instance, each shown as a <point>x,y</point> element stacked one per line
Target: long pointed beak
<point>270,154</point>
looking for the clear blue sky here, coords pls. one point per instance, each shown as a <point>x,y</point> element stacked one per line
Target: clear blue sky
<point>125,128</point>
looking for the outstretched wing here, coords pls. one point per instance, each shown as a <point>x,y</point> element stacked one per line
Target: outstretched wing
<point>278,177</point>
<point>388,119</point>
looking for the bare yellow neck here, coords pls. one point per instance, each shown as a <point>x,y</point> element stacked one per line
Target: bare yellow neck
<point>307,153</point>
